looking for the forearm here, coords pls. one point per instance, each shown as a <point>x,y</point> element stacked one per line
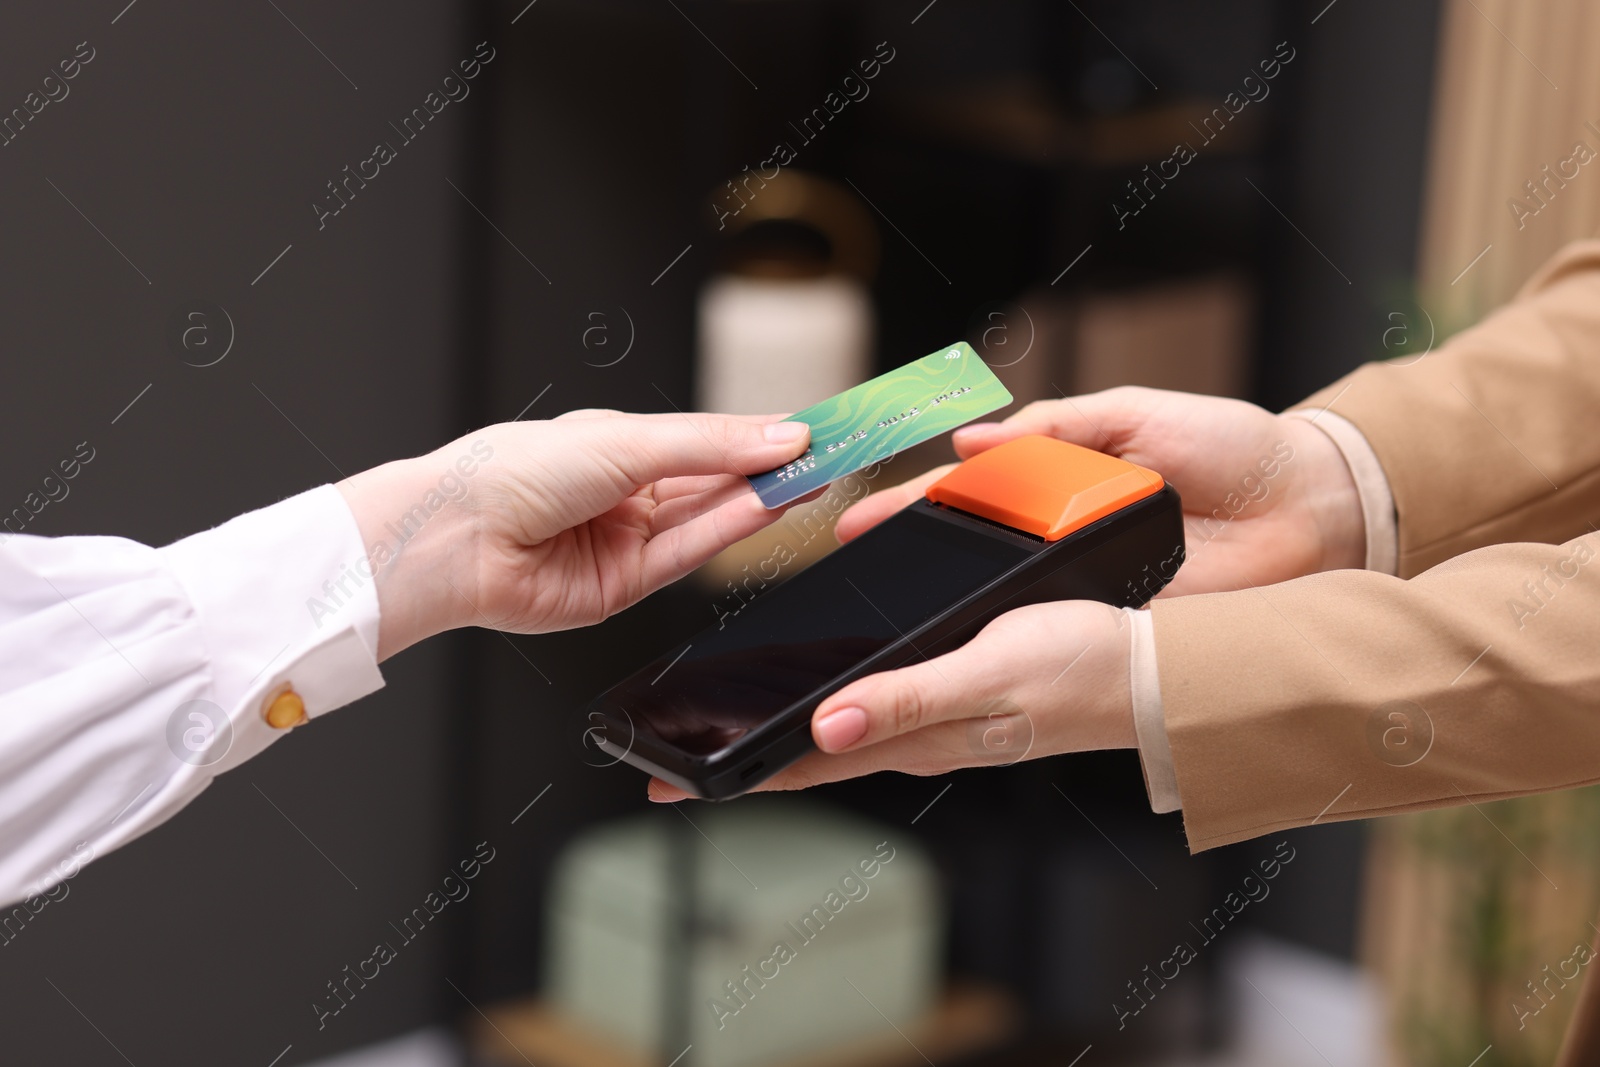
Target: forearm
<point>1489,438</point>
<point>1353,694</point>
<point>1479,443</point>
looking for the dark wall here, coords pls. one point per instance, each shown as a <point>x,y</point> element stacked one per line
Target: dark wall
<point>597,161</point>
<point>196,141</point>
<point>1349,174</point>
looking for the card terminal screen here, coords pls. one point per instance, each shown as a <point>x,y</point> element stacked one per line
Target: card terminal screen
<point>789,640</point>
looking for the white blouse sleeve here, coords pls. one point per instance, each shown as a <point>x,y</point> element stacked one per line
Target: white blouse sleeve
<point>131,675</point>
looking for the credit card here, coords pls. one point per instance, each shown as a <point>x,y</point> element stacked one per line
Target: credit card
<point>872,421</point>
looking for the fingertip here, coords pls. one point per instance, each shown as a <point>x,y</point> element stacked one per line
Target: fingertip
<point>868,512</point>
<point>852,523</point>
<point>970,440</point>
<point>660,792</point>
<point>786,433</point>
<point>837,730</point>
<point>742,444</point>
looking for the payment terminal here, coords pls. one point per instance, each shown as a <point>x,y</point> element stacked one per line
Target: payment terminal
<point>1035,519</point>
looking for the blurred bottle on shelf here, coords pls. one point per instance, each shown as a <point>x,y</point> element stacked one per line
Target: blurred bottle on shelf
<point>786,320</point>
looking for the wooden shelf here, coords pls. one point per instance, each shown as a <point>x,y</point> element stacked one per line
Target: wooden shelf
<point>1018,120</point>
<point>969,1019</point>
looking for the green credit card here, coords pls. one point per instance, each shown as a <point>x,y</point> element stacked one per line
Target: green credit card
<point>874,420</point>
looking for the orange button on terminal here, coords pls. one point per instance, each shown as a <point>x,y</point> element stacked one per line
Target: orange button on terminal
<point>1043,486</point>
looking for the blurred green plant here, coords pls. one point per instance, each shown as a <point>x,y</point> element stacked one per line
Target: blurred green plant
<point>1506,889</point>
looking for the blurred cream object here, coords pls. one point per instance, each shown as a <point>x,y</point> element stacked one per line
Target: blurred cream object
<point>744,975</point>
<point>770,344</point>
<point>788,322</point>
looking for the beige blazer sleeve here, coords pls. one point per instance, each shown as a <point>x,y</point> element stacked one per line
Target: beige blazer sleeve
<point>1473,675</point>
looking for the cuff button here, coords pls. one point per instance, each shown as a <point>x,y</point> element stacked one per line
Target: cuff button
<point>284,710</point>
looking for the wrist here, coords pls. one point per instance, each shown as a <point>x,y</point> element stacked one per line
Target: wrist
<point>1119,686</point>
<point>1329,495</point>
<point>421,547</point>
<point>1092,699</point>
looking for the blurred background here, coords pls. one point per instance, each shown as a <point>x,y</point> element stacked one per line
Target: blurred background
<point>659,204</point>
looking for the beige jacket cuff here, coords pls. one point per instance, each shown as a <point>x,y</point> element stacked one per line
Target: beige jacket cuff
<point>1377,512</point>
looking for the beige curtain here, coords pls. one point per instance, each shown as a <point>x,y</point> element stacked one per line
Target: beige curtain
<point>1518,87</point>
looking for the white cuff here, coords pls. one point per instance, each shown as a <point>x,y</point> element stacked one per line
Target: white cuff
<point>138,674</point>
<point>1149,720</point>
<point>1372,486</point>
<point>285,600</point>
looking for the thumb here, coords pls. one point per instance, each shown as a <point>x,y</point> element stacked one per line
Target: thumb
<point>894,703</point>
<point>649,448</point>
<point>1102,421</point>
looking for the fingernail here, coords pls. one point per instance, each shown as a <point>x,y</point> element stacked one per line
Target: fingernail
<point>976,427</point>
<point>662,793</point>
<point>840,729</point>
<point>786,433</point>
